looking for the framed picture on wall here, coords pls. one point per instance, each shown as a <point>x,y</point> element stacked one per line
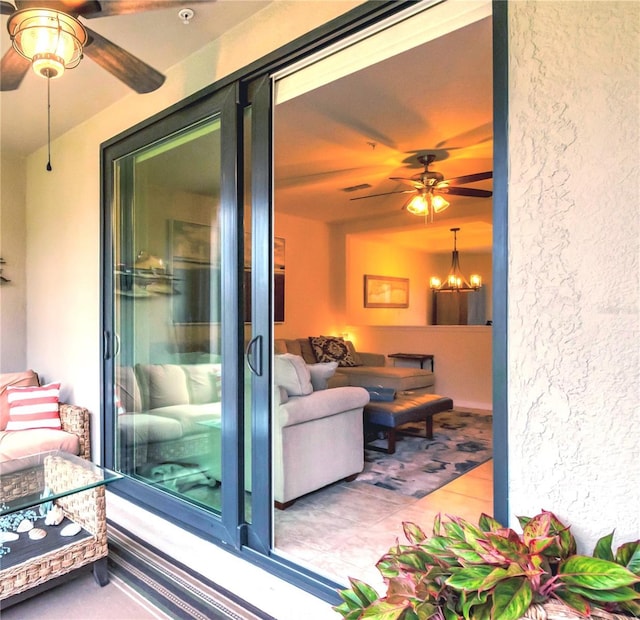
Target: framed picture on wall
<point>386,292</point>
<point>197,278</point>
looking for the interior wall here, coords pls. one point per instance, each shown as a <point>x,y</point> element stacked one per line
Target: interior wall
<point>574,277</point>
<point>308,307</point>
<point>13,298</point>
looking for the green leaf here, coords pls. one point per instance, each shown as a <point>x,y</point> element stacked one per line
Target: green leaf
<point>470,578</point>
<point>474,600</point>
<point>603,550</point>
<point>488,524</point>
<point>414,533</point>
<point>363,591</point>
<point>385,611</point>
<point>574,601</point>
<point>437,525</point>
<point>606,596</point>
<point>523,521</point>
<point>466,554</point>
<point>594,573</point>
<point>628,555</point>
<point>633,607</point>
<point>511,598</point>
<point>453,530</point>
<point>345,612</point>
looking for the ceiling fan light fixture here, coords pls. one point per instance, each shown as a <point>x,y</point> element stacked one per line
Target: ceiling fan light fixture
<point>418,205</point>
<point>51,40</point>
<point>439,203</point>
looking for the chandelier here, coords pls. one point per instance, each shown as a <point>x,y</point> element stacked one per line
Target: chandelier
<point>50,40</point>
<point>455,281</point>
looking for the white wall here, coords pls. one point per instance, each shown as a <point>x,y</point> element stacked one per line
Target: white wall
<point>574,278</point>
<point>13,300</point>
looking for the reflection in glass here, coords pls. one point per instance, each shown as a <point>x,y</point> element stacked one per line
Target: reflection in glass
<point>169,367</point>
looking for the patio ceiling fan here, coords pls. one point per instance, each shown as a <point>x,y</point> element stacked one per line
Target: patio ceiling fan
<point>56,24</point>
<point>429,185</point>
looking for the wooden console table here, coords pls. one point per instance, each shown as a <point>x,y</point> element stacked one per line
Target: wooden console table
<point>417,357</point>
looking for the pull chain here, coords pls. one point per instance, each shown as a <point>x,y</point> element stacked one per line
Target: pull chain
<point>49,124</point>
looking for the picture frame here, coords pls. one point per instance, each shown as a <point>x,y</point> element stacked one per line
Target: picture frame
<point>386,292</point>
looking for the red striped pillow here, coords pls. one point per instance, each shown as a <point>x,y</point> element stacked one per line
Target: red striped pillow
<point>33,407</point>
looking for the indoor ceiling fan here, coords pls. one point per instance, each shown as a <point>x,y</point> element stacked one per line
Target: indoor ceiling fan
<point>429,185</point>
<point>33,21</point>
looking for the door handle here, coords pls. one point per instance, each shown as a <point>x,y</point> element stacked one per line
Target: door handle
<point>253,354</point>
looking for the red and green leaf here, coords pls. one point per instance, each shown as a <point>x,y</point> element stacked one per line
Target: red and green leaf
<point>628,555</point>
<point>574,601</point>
<point>511,598</point>
<point>414,533</point>
<point>594,573</point>
<point>489,524</point>
<point>615,595</point>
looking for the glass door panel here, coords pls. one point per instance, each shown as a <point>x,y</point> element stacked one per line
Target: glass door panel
<point>169,366</point>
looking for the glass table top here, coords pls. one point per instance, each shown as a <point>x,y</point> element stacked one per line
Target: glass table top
<point>43,477</point>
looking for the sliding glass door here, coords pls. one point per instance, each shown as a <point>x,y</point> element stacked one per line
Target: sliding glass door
<point>174,335</point>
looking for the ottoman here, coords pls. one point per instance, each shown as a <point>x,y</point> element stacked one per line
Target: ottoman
<point>408,406</point>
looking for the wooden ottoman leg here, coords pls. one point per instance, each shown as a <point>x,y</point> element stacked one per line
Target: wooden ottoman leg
<point>429,427</point>
<point>391,441</point>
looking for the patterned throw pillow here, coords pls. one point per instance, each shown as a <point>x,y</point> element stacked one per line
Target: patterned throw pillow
<point>332,349</point>
<point>33,407</point>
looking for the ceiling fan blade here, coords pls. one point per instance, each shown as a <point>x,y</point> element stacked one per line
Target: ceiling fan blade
<point>402,191</point>
<point>72,7</point>
<point>471,178</point>
<point>6,8</point>
<point>464,191</point>
<point>105,8</point>
<point>13,68</point>
<point>126,67</point>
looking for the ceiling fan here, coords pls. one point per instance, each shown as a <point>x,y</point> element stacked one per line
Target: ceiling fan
<point>429,185</point>
<point>63,15</point>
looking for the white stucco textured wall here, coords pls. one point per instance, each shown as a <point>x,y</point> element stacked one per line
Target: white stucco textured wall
<point>574,280</point>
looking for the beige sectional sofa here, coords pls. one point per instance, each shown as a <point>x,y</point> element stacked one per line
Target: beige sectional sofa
<point>172,413</point>
<point>371,369</point>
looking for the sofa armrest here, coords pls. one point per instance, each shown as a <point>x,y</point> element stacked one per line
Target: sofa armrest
<point>321,404</point>
<point>75,420</point>
<point>372,359</point>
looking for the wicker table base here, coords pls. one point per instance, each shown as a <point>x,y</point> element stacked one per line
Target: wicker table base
<point>44,569</point>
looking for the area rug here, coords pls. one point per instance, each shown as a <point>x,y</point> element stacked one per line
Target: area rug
<point>461,441</point>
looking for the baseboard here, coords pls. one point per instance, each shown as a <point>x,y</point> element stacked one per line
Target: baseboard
<point>171,586</point>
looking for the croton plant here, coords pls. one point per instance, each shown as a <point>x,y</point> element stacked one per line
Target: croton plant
<point>490,572</point>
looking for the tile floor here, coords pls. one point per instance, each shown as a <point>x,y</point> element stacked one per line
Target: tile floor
<point>344,529</point>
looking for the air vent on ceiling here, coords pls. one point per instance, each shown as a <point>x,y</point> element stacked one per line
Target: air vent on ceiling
<point>355,188</point>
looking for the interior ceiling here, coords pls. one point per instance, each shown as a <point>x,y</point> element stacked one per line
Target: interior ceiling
<point>157,37</point>
<point>372,125</point>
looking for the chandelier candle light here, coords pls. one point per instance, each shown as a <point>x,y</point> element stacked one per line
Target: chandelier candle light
<point>455,281</point>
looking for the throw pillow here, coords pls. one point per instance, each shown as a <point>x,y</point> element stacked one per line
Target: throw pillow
<point>292,374</point>
<point>24,379</point>
<point>332,349</point>
<point>33,407</point>
<point>321,373</point>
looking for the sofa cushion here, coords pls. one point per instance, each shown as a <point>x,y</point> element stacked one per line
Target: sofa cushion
<point>321,373</point>
<point>33,407</point>
<point>398,378</point>
<point>162,385</point>
<point>127,389</point>
<point>193,419</point>
<point>203,382</point>
<point>25,378</point>
<point>16,444</point>
<point>332,349</point>
<point>292,373</point>
<point>145,428</point>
